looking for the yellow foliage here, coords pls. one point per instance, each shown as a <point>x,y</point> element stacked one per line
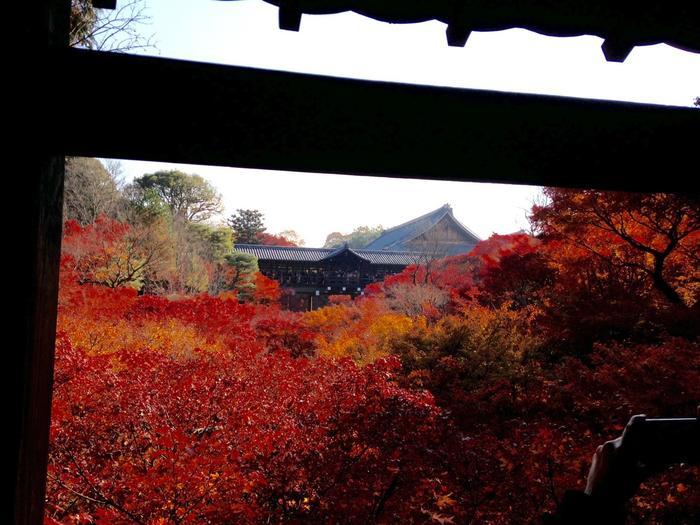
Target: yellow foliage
<point>489,342</point>
<point>101,336</point>
<point>363,331</point>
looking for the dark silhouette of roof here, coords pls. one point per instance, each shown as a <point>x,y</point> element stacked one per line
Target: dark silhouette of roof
<point>302,254</point>
<point>399,237</point>
<point>622,24</point>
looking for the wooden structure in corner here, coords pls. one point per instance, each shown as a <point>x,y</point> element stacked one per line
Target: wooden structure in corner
<point>245,117</point>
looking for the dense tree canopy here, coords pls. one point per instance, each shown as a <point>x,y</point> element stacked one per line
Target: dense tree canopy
<point>189,197</point>
<point>247,225</point>
<point>240,275</point>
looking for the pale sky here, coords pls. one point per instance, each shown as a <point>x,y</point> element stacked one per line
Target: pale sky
<point>246,33</point>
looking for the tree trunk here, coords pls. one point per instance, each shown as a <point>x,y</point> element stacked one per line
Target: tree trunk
<point>662,285</point>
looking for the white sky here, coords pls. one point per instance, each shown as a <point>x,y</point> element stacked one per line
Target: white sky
<point>245,33</point>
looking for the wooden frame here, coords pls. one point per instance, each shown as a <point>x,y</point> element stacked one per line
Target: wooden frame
<point>178,111</point>
<point>253,118</point>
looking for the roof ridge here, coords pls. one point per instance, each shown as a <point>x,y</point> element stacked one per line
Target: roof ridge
<point>339,249</point>
<point>448,209</point>
<point>445,207</point>
<point>345,247</point>
<point>245,244</point>
<point>336,249</point>
<point>388,252</point>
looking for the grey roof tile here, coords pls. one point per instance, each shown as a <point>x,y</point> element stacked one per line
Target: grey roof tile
<point>301,254</point>
<point>396,238</point>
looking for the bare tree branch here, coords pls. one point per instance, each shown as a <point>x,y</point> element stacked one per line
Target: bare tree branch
<point>118,30</point>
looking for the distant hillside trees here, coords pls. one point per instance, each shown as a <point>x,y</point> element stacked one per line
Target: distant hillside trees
<point>292,237</point>
<point>359,238</point>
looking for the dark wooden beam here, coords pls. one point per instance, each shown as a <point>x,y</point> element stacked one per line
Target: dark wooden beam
<point>38,190</point>
<point>37,258</point>
<point>178,111</point>
<point>104,4</point>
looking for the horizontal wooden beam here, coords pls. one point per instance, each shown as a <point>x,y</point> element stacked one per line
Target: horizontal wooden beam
<point>135,107</point>
<point>104,4</point>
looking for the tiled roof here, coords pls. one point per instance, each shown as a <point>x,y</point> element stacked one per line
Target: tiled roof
<point>300,254</point>
<point>283,253</point>
<point>388,257</point>
<point>396,238</point>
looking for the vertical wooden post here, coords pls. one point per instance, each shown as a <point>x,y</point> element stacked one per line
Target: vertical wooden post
<point>36,256</point>
<point>32,376</point>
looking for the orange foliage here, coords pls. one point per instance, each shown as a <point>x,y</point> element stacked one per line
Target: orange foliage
<point>653,238</point>
<point>362,330</point>
<point>267,291</point>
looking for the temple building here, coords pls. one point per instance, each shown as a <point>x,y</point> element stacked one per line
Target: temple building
<point>438,232</point>
<point>308,276</point>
